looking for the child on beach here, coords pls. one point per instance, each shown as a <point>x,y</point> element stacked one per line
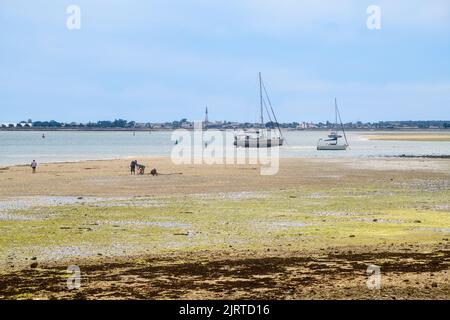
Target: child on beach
<point>33,166</point>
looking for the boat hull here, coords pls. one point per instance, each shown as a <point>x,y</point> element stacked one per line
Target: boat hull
<point>333,147</point>
<point>258,142</point>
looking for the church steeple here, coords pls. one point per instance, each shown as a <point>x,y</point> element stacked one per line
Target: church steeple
<point>206,115</point>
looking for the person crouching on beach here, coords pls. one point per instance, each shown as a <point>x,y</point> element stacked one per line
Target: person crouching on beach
<point>133,165</point>
<point>34,166</point>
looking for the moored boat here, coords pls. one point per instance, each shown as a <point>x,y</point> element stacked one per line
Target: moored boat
<point>332,143</point>
<point>256,140</point>
<point>260,138</point>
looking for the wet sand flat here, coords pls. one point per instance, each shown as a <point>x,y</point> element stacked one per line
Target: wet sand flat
<point>112,178</point>
<point>411,137</point>
<point>213,232</point>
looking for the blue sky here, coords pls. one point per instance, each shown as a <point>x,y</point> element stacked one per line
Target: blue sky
<point>165,60</point>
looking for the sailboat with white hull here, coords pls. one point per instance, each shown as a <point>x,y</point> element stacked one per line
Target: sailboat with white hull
<point>258,138</point>
<point>332,142</point>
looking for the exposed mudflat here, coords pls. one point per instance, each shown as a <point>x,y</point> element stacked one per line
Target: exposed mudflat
<point>213,232</point>
<point>337,274</point>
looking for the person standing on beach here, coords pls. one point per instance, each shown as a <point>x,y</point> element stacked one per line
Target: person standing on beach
<point>133,165</point>
<point>34,166</point>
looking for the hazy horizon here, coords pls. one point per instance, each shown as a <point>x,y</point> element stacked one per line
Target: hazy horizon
<point>222,120</point>
<point>158,61</point>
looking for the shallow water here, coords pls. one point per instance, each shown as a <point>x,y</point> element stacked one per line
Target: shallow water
<point>22,147</point>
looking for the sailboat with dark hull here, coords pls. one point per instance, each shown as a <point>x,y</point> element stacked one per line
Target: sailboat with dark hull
<point>332,143</point>
<point>258,138</point>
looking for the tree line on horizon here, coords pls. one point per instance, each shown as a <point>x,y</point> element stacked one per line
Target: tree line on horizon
<point>183,123</point>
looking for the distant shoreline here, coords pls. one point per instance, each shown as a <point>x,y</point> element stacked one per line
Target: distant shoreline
<point>190,129</point>
<point>427,156</point>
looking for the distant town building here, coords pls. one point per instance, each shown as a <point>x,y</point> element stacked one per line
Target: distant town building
<point>187,125</point>
<point>8,125</point>
<point>307,125</point>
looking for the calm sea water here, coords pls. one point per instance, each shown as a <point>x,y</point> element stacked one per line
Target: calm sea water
<point>22,147</point>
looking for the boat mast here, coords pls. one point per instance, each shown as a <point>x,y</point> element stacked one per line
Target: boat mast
<point>271,109</point>
<point>335,113</point>
<point>342,125</point>
<point>261,100</point>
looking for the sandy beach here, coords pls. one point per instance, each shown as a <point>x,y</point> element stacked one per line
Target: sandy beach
<point>212,232</point>
<point>410,137</point>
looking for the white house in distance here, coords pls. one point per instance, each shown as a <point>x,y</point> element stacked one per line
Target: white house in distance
<point>22,124</point>
<point>306,125</point>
